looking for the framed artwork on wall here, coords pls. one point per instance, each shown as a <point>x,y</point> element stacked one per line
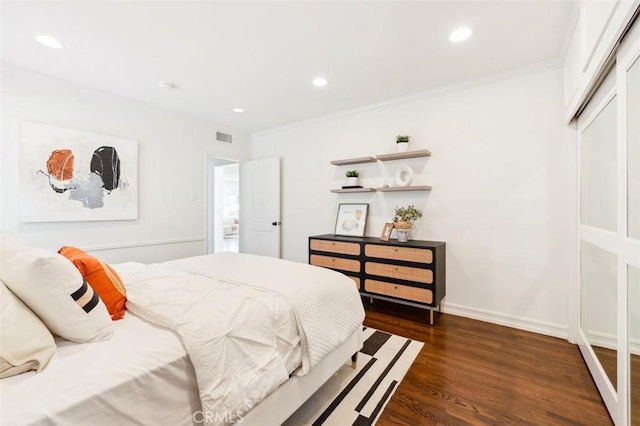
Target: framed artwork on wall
<point>73,175</point>
<point>351,219</point>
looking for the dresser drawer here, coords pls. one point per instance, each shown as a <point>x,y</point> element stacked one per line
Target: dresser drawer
<point>335,263</point>
<point>336,247</point>
<point>399,253</point>
<point>422,295</point>
<point>399,272</point>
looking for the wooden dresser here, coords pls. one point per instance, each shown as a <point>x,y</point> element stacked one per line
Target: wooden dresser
<point>411,273</point>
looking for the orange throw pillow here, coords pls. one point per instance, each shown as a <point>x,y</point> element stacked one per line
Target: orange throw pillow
<point>101,277</point>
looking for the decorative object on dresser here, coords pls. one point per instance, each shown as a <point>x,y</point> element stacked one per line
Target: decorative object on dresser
<point>402,219</point>
<point>410,273</point>
<point>402,143</point>
<point>351,219</point>
<point>386,232</point>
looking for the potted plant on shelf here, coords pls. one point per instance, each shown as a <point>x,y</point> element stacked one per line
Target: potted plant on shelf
<point>402,143</point>
<point>402,219</point>
<point>352,177</point>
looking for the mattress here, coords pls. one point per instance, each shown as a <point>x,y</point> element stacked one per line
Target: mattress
<point>142,375</point>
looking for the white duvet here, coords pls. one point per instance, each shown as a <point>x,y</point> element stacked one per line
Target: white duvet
<point>227,310</point>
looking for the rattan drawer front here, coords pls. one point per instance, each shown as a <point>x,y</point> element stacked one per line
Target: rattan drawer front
<point>357,281</point>
<point>400,272</point>
<point>335,263</point>
<point>336,247</point>
<point>399,253</point>
<point>422,295</point>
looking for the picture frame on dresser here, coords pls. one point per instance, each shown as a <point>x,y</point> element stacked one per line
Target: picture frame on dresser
<point>387,229</point>
<point>351,219</point>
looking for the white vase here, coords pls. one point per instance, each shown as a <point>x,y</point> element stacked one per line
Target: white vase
<point>402,146</point>
<point>403,235</point>
<point>352,181</point>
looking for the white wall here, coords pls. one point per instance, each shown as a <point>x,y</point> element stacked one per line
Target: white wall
<point>503,199</point>
<point>172,152</point>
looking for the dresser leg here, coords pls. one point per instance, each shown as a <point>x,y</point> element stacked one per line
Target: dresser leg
<point>354,361</point>
<point>371,299</point>
<point>432,310</point>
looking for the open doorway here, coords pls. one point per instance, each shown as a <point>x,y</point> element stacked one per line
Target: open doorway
<point>223,205</point>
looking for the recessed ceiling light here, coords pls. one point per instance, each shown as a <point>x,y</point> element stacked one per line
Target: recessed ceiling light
<point>165,85</point>
<point>49,41</point>
<point>460,34</point>
<point>238,110</point>
<point>319,82</point>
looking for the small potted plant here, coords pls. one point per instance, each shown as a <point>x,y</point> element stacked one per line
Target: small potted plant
<point>352,177</point>
<point>402,143</point>
<point>402,219</point>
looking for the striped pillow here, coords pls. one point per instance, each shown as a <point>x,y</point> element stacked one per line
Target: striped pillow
<point>55,291</point>
<point>101,277</point>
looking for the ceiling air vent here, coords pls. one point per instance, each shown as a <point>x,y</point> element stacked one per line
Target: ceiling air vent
<point>223,137</point>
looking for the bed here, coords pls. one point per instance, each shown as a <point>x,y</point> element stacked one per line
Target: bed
<point>215,339</point>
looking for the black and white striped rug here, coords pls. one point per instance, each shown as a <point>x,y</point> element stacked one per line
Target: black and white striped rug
<point>358,396</point>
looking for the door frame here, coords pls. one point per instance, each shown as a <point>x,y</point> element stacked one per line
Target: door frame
<point>209,198</point>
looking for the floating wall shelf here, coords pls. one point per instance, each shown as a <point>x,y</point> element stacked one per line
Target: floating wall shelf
<point>384,157</point>
<point>387,189</point>
<point>403,155</point>
<point>354,190</point>
<point>354,161</point>
<point>405,188</point>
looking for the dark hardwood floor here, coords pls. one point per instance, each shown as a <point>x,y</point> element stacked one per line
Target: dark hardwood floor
<point>473,372</point>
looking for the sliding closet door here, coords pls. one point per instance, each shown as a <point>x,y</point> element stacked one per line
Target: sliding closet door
<point>609,234</point>
<point>629,83</point>
<point>599,307</point>
<point>633,278</point>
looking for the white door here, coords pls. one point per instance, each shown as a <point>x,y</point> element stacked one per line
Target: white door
<point>260,200</point>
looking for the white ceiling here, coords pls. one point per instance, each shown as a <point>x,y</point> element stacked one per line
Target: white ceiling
<point>263,55</point>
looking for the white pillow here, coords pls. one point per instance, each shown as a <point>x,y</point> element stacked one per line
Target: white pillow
<point>53,288</point>
<point>26,342</point>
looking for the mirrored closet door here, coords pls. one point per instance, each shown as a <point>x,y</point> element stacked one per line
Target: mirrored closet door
<point>609,234</point>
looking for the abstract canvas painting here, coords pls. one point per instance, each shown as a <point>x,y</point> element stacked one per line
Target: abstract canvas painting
<point>72,175</point>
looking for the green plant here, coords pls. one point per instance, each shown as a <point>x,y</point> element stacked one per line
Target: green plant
<point>402,138</point>
<point>352,173</point>
<point>406,214</point>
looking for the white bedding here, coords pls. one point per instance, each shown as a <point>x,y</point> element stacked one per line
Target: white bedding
<point>225,309</point>
<point>142,375</point>
<point>327,304</point>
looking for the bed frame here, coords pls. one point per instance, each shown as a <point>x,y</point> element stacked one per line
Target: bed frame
<point>284,401</point>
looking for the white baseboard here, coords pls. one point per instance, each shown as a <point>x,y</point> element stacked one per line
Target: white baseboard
<point>527,324</point>
<point>610,341</point>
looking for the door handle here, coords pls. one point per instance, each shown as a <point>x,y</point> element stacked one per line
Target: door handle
<point>276,223</point>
